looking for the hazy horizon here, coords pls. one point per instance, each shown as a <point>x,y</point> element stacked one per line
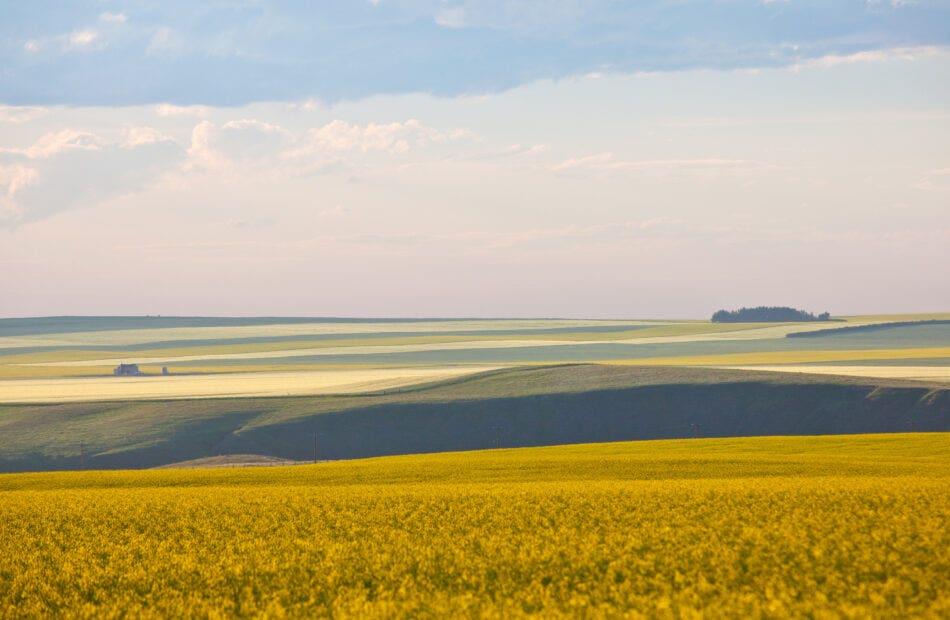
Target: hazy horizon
<point>459,159</point>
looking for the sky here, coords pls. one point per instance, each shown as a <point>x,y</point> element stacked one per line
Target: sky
<point>400,158</point>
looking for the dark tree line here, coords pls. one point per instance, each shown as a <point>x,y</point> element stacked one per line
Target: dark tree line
<point>767,314</point>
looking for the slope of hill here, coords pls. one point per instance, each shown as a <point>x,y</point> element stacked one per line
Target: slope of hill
<point>510,407</point>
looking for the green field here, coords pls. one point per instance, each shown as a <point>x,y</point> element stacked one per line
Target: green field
<point>266,386</point>
<point>768,527</point>
<point>786,518</point>
<point>92,346</point>
<point>508,407</point>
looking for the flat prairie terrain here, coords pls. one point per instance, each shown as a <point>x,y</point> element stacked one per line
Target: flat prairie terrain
<point>764,527</point>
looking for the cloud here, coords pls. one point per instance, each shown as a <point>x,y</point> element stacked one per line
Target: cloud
<point>16,177</point>
<point>113,18</point>
<point>139,136</point>
<point>606,163</point>
<point>905,54</point>
<point>273,150</point>
<point>245,140</point>
<point>512,151</point>
<point>937,179</point>
<point>391,138</point>
<point>13,179</point>
<point>58,142</point>
<point>168,109</point>
<point>82,39</point>
<point>74,168</point>
<point>451,18</point>
<point>333,212</point>
<point>20,114</point>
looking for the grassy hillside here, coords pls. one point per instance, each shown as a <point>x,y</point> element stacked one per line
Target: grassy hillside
<point>766,527</point>
<point>511,407</point>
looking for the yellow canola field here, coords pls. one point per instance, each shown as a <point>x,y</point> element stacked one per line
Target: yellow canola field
<point>245,384</point>
<point>794,528</point>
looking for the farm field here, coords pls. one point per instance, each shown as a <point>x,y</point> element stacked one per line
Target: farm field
<point>520,406</point>
<point>374,387</point>
<point>822,527</point>
<point>227,385</point>
<point>33,349</point>
<point>936,374</point>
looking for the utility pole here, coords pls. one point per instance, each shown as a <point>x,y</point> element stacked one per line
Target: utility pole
<point>314,447</point>
<point>82,455</point>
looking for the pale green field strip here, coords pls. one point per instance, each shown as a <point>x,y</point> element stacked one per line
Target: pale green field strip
<point>686,332</point>
<point>695,333</point>
<point>855,348</point>
<point>790,357</point>
<point>224,385</point>
<point>892,318</point>
<point>125,337</point>
<point>11,371</point>
<point>929,374</point>
<point>136,336</point>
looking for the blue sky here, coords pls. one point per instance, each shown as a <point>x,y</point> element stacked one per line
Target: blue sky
<point>596,159</point>
<point>234,53</point>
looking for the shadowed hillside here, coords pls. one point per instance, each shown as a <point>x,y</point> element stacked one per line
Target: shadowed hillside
<point>509,408</point>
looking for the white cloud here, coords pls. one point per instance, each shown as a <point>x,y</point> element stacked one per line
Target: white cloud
<point>937,179</point>
<point>139,135</point>
<point>32,46</point>
<point>58,142</point>
<point>83,38</point>
<point>20,114</point>
<point>606,163</point>
<point>245,140</point>
<point>392,138</point>
<point>451,18</point>
<point>168,109</point>
<point>906,54</point>
<point>113,18</point>
<point>308,105</point>
<point>74,168</point>
<point>273,151</point>
<point>16,177</point>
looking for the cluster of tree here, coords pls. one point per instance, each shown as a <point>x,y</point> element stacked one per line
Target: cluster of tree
<point>767,314</point>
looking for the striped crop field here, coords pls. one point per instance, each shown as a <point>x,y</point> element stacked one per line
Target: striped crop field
<point>766,527</point>
<point>927,374</point>
<point>794,357</point>
<point>249,384</point>
<point>35,349</point>
<point>109,337</point>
